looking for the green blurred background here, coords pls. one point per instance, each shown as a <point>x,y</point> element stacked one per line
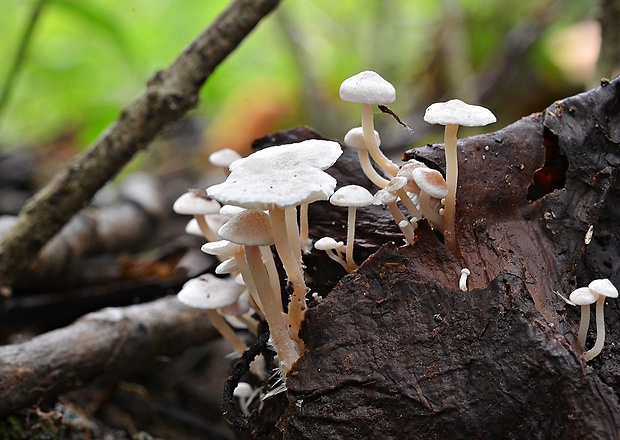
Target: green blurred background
<point>89,58</point>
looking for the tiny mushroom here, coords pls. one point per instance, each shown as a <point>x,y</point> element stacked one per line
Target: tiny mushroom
<point>198,205</point>
<point>451,114</point>
<point>355,139</point>
<point>583,297</point>
<point>223,158</point>
<point>368,88</point>
<point>432,186</point>
<point>211,293</point>
<point>465,272</point>
<point>397,186</point>
<point>352,197</point>
<point>605,289</point>
<point>251,229</point>
<point>334,250</point>
<point>383,197</point>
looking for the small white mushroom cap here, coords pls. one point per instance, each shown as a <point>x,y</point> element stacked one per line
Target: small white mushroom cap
<point>431,182</point>
<point>192,203</point>
<point>396,184</point>
<point>583,296</point>
<point>603,287</point>
<point>192,227</point>
<point>355,139</point>
<point>367,87</point>
<point>456,111</point>
<point>250,227</point>
<point>351,195</point>
<point>227,266</point>
<point>327,243</point>
<point>209,292</point>
<point>230,210</point>
<point>222,248</point>
<point>224,157</point>
<point>383,197</point>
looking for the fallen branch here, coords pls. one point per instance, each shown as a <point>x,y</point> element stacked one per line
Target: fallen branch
<point>111,341</point>
<point>170,94</point>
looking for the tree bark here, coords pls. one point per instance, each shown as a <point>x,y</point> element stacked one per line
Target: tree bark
<point>170,94</point>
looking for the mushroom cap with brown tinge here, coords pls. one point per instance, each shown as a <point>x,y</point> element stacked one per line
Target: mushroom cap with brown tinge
<point>431,182</point>
<point>193,203</point>
<point>250,228</point>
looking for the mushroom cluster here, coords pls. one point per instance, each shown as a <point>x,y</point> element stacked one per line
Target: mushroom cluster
<point>596,292</point>
<point>263,203</point>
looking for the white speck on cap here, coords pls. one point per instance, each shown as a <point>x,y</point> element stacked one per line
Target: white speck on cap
<point>367,87</point>
<point>456,111</point>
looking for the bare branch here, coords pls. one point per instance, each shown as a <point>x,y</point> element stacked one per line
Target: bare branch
<point>170,94</point>
<point>111,341</point>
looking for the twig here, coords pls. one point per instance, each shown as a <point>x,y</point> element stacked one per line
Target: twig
<point>20,55</point>
<point>112,341</point>
<point>169,95</point>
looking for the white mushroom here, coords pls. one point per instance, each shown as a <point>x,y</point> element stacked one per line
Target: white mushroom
<point>194,203</point>
<point>397,186</point>
<point>605,289</point>
<point>383,197</point>
<point>465,272</point>
<point>368,88</point>
<point>334,250</point>
<point>452,114</point>
<point>355,139</point>
<point>351,197</point>
<point>223,158</point>
<point>432,186</point>
<point>211,293</point>
<point>252,230</point>
<point>583,297</point>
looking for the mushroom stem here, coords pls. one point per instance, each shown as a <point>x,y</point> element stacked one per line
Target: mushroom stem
<point>600,330</point>
<point>584,323</point>
<point>351,237</point>
<point>437,220</point>
<point>369,170</point>
<point>452,172</point>
<point>404,197</point>
<point>248,279</point>
<point>400,219</point>
<point>207,232</point>
<point>368,126</point>
<point>304,240</point>
<point>220,324</point>
<point>272,271</point>
<point>292,266</point>
<point>284,346</point>
<point>292,230</point>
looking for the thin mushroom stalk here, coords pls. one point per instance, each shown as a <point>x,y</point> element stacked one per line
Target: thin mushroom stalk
<point>600,330</point>
<point>452,175</point>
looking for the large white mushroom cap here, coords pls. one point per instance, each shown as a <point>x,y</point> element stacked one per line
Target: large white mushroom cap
<point>209,292</point>
<point>456,111</point>
<point>367,87</point>
<point>316,153</point>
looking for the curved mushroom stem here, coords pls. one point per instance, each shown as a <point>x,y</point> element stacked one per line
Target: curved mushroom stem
<point>272,271</point>
<point>207,232</point>
<point>600,330</point>
<point>351,239</point>
<point>292,266</point>
<point>404,197</point>
<point>452,174</point>
<point>584,323</point>
<point>400,220</point>
<point>285,347</point>
<point>368,126</point>
<point>369,170</point>
<point>220,324</point>
<point>429,213</point>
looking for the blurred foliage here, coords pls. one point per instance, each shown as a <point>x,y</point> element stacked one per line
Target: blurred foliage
<point>90,58</point>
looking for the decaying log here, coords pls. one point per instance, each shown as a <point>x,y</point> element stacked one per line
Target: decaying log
<point>109,342</point>
<point>170,94</point>
<point>398,351</point>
